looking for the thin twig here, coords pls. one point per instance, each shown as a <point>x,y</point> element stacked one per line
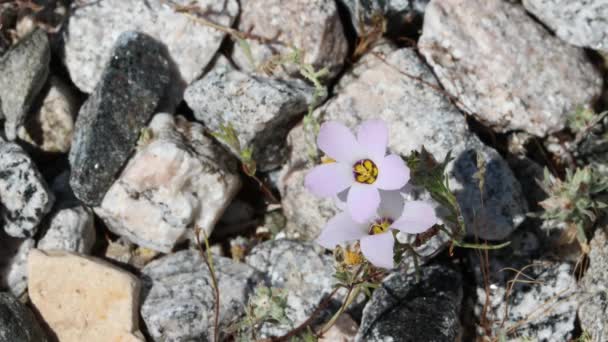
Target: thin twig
<point>206,255</point>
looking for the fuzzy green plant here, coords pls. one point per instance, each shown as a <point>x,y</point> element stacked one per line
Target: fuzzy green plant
<point>575,201</point>
<point>267,305</point>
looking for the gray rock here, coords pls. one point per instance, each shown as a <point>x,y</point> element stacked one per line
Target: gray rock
<point>13,263</point>
<point>70,229</point>
<point>178,296</point>
<point>109,123</point>
<point>261,110</point>
<point>581,23</point>
<point>503,67</point>
<point>51,127</point>
<point>301,270</point>
<point>397,13</point>
<point>94,27</point>
<point>405,310</point>
<point>17,322</point>
<point>178,179</point>
<point>593,311</point>
<point>23,71</point>
<point>418,114</point>
<point>24,196</point>
<point>539,303</point>
<point>314,27</point>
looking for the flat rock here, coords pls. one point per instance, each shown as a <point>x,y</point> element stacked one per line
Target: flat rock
<point>84,298</point>
<point>177,179</point>
<point>402,91</point>
<point>260,109</point>
<point>312,26</point>
<point>70,229</point>
<point>23,72</point>
<point>109,123</point>
<point>13,263</point>
<point>298,268</point>
<point>402,309</point>
<point>94,28</point>
<point>503,67</point>
<point>593,311</point>
<point>24,195</point>
<point>179,299</point>
<point>17,322</point>
<point>51,127</point>
<point>576,22</point>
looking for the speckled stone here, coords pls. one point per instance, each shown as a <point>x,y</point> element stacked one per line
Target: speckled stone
<point>301,270</point>
<point>24,195</point>
<point>581,23</point>
<point>23,71</point>
<point>402,309</point>
<point>418,114</point>
<point>179,299</point>
<point>109,123</point>
<point>593,311</point>
<point>505,68</point>
<point>13,263</point>
<point>261,110</point>
<point>70,229</point>
<point>177,180</point>
<point>93,29</point>
<point>17,322</point>
<point>313,26</point>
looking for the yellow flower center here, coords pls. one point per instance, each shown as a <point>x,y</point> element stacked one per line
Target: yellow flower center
<point>352,258</point>
<point>380,226</point>
<point>365,171</point>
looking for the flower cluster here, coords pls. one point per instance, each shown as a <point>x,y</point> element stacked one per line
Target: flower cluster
<point>371,182</point>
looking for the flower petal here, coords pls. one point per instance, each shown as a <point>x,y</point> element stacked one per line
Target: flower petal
<point>328,179</point>
<point>391,204</point>
<point>372,136</point>
<point>392,173</point>
<point>378,249</point>
<point>362,201</point>
<point>338,142</point>
<point>341,228</point>
<point>417,217</point>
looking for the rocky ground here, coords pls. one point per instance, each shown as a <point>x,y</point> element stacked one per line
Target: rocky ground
<point>114,154</point>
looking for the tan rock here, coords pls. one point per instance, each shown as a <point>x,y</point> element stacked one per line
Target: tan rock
<point>84,298</point>
<point>344,330</point>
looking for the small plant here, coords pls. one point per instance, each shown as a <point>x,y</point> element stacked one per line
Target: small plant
<point>267,305</point>
<point>575,201</point>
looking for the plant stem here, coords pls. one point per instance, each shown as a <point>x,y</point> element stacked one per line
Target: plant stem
<point>208,258</point>
<point>353,292</point>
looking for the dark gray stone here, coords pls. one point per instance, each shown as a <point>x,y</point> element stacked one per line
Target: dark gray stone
<point>17,322</point>
<point>405,310</point>
<point>397,13</point>
<point>23,72</point>
<point>131,88</point>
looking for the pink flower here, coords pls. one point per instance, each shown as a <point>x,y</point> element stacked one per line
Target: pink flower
<point>375,235</point>
<point>361,166</point>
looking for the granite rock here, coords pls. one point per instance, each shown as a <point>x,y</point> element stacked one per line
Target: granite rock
<point>70,229</point>
<point>503,67</point>
<point>593,311</point>
<point>260,109</point>
<point>13,263</point>
<point>580,23</point>
<point>24,195</point>
<point>24,71</point>
<point>312,26</point>
<point>109,123</point>
<point>177,179</point>
<point>179,299</point>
